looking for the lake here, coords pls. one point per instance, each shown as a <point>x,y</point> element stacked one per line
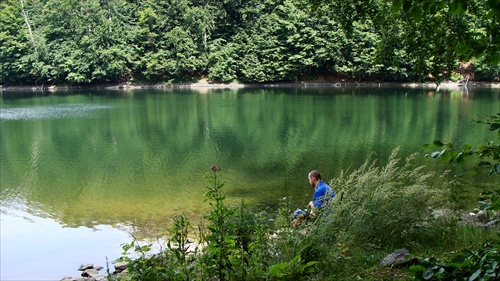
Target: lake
<point>81,170</point>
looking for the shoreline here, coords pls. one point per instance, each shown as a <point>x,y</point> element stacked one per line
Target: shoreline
<point>208,85</point>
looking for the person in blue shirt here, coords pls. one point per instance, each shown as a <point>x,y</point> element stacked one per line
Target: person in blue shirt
<point>322,194</point>
<point>322,191</point>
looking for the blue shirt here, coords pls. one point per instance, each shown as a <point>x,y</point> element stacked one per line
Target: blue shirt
<point>322,194</point>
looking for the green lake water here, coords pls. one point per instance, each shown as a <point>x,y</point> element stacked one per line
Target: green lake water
<point>80,169</point>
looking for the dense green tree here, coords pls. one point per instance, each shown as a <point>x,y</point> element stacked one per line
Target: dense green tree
<point>436,34</point>
<point>19,44</point>
<point>99,41</point>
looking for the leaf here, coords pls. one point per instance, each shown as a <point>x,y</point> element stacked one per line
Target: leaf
<point>435,154</point>
<point>407,6</point>
<point>456,8</point>
<point>417,16</point>
<point>494,59</point>
<point>441,4</point>
<point>495,170</point>
<point>447,155</point>
<point>475,275</point>
<point>438,143</point>
<point>428,274</point>
<point>396,6</point>
<point>461,49</point>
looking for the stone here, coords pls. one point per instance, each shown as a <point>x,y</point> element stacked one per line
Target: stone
<point>469,218</point>
<point>68,278</point>
<point>98,267</point>
<point>482,216</point>
<point>89,272</point>
<point>442,213</point>
<point>120,266</point>
<point>395,257</point>
<point>492,223</point>
<point>123,273</point>
<point>87,266</point>
<point>98,277</point>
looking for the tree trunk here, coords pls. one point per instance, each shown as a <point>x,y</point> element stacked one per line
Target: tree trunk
<point>25,15</point>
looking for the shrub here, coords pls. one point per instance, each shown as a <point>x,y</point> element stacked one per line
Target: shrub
<point>377,209</point>
<point>482,264</point>
<point>388,205</point>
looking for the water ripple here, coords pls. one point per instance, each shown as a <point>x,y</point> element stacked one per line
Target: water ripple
<point>50,112</point>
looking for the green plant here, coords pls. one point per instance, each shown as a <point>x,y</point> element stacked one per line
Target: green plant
<point>489,154</point>
<point>386,205</point>
<point>290,270</point>
<point>221,241</point>
<point>178,245</point>
<point>455,76</point>
<point>146,266</point>
<point>481,264</point>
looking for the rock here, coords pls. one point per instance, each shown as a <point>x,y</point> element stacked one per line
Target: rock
<point>396,257</point>
<point>120,266</point>
<point>87,266</point>
<point>68,278</point>
<point>469,218</point>
<point>492,223</point>
<point>89,272</point>
<point>123,273</point>
<point>98,277</point>
<point>482,216</point>
<point>98,267</point>
<point>442,213</point>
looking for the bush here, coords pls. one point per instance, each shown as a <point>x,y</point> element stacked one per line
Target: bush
<point>377,209</point>
<point>388,205</point>
<point>482,264</point>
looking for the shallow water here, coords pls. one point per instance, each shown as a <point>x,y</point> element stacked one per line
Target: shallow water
<point>81,168</point>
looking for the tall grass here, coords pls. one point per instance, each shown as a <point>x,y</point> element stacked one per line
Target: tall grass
<point>378,208</point>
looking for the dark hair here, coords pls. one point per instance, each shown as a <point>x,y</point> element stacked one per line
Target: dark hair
<point>315,174</point>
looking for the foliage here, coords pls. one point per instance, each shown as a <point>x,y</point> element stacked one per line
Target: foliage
<point>221,242</point>
<point>485,71</point>
<point>293,269</point>
<point>146,266</point>
<point>377,209</point>
<point>427,31</point>
<point>480,264</point>
<point>489,154</point>
<point>386,205</point>
<point>234,245</point>
<point>85,42</point>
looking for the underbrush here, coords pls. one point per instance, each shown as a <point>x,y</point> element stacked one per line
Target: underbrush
<point>378,209</point>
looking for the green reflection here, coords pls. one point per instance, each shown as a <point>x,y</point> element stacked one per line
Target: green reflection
<point>87,158</point>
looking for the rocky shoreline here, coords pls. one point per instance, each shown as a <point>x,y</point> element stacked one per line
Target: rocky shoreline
<point>91,272</point>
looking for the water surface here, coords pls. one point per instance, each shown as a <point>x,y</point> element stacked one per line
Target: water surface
<point>81,168</point>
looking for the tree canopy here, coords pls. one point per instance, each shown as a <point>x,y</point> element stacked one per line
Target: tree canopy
<point>96,41</point>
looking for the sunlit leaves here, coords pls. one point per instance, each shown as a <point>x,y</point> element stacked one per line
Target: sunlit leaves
<point>264,41</point>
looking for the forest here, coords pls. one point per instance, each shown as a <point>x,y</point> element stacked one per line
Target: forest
<point>86,42</point>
